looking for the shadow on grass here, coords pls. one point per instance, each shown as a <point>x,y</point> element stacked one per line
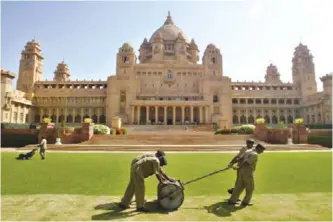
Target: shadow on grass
<point>118,213</point>
<point>222,209</point>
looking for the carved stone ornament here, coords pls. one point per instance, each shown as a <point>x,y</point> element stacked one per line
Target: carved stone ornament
<point>157,49</point>
<point>8,99</point>
<point>182,49</point>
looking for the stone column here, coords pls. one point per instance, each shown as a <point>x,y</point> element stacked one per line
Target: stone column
<point>183,114</point>
<point>41,115</point>
<point>132,114</point>
<point>65,115</point>
<point>82,114</point>
<point>238,115</point>
<point>89,112</point>
<point>200,114</point>
<point>98,114</point>
<point>138,113</point>
<point>147,114</point>
<point>165,115</point>
<point>18,113</point>
<point>156,114</point>
<point>74,114</point>
<point>206,114</point>
<point>57,115</point>
<point>191,114</point>
<point>173,115</point>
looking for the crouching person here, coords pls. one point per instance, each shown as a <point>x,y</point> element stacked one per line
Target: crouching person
<point>140,170</point>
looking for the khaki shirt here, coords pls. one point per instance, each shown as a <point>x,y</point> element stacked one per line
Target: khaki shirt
<point>241,152</point>
<point>250,159</point>
<point>147,166</point>
<point>141,156</point>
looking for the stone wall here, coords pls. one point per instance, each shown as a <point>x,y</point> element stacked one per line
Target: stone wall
<point>299,134</point>
<point>275,136</point>
<point>67,135</point>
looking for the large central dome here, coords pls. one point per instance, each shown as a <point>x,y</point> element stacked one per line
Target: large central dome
<point>169,31</point>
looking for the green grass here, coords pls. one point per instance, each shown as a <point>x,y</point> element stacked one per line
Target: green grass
<point>67,186</point>
<point>108,174</point>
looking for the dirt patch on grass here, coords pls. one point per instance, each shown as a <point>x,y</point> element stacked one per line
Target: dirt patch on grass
<point>306,206</point>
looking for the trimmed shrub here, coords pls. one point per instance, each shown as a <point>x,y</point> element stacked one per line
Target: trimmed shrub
<point>87,120</point>
<point>113,132</point>
<point>101,129</point>
<point>246,129</point>
<point>47,120</point>
<point>281,125</point>
<point>223,131</point>
<point>18,126</point>
<point>11,139</point>
<point>234,130</point>
<point>319,126</point>
<point>323,140</point>
<point>299,121</point>
<point>260,120</point>
<point>125,131</point>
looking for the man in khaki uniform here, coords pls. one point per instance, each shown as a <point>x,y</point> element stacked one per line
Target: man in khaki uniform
<point>246,176</point>
<point>42,148</point>
<point>238,158</point>
<point>140,170</point>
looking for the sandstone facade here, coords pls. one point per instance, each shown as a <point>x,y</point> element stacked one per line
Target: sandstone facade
<point>166,85</point>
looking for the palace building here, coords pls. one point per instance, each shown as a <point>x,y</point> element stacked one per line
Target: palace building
<point>165,84</point>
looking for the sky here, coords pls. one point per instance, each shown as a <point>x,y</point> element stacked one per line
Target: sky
<point>250,34</point>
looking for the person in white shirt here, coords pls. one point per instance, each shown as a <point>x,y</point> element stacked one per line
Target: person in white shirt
<point>43,148</point>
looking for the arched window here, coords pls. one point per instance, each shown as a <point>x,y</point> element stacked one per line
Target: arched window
<point>169,74</point>
<point>215,99</point>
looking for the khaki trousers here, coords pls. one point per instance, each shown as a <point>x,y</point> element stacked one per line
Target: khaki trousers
<point>245,181</point>
<point>136,186</point>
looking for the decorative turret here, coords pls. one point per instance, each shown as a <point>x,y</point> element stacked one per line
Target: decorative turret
<point>194,50</point>
<point>272,75</point>
<point>212,60</point>
<point>144,49</point>
<point>126,60</point>
<point>303,71</point>
<point>31,67</point>
<point>169,21</point>
<point>62,73</point>
<point>327,83</point>
<point>157,47</point>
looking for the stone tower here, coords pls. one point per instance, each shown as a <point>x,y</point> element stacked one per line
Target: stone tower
<point>304,71</point>
<point>126,60</point>
<point>272,75</point>
<point>62,73</point>
<point>327,83</point>
<point>31,67</point>
<point>212,60</point>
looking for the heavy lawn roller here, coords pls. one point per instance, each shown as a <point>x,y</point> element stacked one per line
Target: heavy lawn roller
<point>170,194</point>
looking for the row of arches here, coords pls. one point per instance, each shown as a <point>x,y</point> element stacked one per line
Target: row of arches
<point>269,120</point>
<point>71,118</point>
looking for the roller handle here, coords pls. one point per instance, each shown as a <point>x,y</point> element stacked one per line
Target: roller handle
<point>207,175</point>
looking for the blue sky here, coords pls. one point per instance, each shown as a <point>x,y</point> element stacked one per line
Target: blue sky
<point>250,34</point>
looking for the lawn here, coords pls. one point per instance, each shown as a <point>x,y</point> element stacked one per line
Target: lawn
<point>67,186</point>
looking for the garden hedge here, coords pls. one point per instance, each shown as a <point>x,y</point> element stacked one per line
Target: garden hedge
<point>323,140</point>
<point>319,126</point>
<point>18,140</point>
<point>18,126</point>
